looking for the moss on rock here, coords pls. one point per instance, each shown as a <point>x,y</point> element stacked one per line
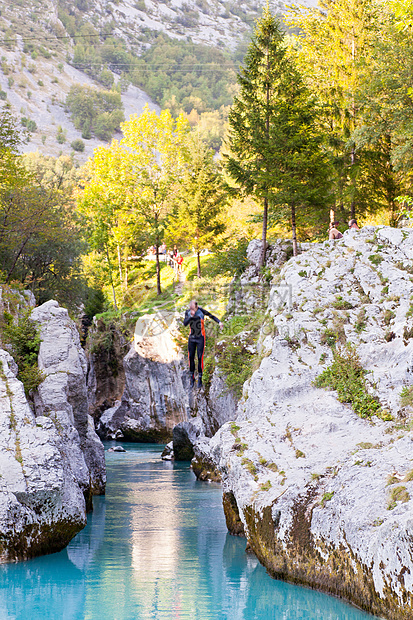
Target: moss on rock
<point>300,559</point>
<point>232,517</point>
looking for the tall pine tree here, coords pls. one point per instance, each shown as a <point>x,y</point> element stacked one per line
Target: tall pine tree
<point>276,149</point>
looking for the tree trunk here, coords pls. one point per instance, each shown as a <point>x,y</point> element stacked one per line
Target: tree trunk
<point>158,270</point>
<point>353,204</point>
<point>392,188</point>
<point>353,148</point>
<point>264,232</point>
<point>294,229</point>
<point>198,264</point>
<point>16,258</point>
<point>126,273</point>
<point>111,278</point>
<point>119,264</point>
<point>267,132</point>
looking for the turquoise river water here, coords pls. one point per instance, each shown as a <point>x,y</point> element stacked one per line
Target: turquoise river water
<point>156,548</point>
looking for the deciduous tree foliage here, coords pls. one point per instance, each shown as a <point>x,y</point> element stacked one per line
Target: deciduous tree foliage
<point>386,103</point>
<point>40,238</point>
<point>97,111</point>
<point>136,180</point>
<point>341,52</point>
<point>197,218</point>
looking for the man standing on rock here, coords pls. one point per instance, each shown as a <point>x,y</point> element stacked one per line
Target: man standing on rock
<point>194,317</point>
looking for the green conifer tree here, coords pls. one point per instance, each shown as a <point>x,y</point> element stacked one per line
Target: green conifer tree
<point>276,149</point>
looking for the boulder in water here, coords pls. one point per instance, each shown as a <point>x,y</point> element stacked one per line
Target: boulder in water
<point>168,452</point>
<point>185,436</point>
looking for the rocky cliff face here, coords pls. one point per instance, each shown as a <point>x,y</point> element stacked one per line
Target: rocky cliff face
<point>324,496</point>
<point>157,396</point>
<point>63,395</point>
<point>51,460</point>
<point>41,505</point>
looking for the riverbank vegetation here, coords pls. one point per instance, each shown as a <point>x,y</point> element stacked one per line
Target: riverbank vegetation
<point>319,129</point>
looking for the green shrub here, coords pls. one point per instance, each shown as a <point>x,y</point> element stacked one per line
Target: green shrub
<point>3,95</point>
<point>237,365</point>
<point>231,259</point>
<point>97,111</point>
<point>360,321</point>
<point>326,498</point>
<point>106,78</point>
<point>348,377</point>
<point>86,132</point>
<point>95,303</point>
<point>376,259</point>
<point>388,315</point>
<point>107,123</point>
<point>342,304</point>
<point>249,465</point>
<point>406,396</point>
<point>78,145</point>
<point>398,494</point>
<point>329,337</point>
<point>23,341</point>
<point>61,135</point>
<point>29,124</point>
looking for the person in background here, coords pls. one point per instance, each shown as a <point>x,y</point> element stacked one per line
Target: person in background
<point>194,317</point>
<point>162,252</point>
<point>175,251</point>
<point>333,232</point>
<point>353,225</point>
<point>180,263</point>
<point>171,258</point>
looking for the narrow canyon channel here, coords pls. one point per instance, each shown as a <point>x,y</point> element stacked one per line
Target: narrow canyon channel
<point>156,548</point>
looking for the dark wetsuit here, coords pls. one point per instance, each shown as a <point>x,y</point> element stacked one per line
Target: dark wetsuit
<point>196,340</point>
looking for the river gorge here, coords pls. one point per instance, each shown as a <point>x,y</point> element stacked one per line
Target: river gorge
<point>156,548</point>
<point>317,485</point>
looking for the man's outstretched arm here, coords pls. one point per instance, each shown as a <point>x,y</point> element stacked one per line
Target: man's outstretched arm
<point>212,316</point>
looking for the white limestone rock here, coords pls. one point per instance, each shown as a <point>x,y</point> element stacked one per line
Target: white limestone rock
<point>41,504</point>
<point>63,396</point>
<point>157,393</point>
<point>325,497</point>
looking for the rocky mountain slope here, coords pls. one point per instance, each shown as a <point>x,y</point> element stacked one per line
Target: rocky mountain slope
<point>36,83</point>
<point>39,95</point>
<point>324,495</point>
<point>37,47</point>
<point>51,460</point>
